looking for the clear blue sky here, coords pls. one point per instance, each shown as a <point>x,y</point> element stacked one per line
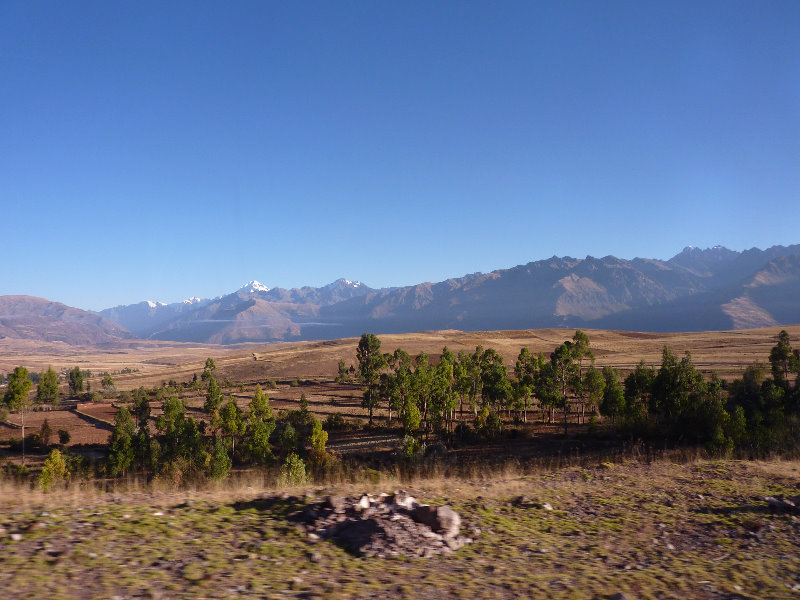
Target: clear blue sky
<point>158,150</point>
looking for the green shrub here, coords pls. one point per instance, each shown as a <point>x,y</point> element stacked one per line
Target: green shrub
<point>293,472</point>
<point>55,469</point>
<point>412,449</point>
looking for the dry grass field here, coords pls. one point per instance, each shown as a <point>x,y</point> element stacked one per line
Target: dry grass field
<point>726,352</point>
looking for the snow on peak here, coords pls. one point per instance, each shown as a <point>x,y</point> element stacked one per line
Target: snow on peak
<point>151,304</point>
<point>345,282</point>
<point>192,300</point>
<point>253,286</point>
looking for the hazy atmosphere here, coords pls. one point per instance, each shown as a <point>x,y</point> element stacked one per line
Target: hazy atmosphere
<point>157,151</point>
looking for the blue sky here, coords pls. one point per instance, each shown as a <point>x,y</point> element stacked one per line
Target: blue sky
<point>155,150</point>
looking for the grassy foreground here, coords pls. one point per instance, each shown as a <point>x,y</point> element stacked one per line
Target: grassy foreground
<point>658,530</point>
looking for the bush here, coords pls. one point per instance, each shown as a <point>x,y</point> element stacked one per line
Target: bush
<point>63,437</point>
<point>489,424</point>
<point>18,472</point>
<point>412,449</point>
<point>55,469</point>
<point>335,422</point>
<point>293,472</point>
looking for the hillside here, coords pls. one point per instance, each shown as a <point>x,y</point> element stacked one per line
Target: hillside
<point>695,290</point>
<point>31,318</point>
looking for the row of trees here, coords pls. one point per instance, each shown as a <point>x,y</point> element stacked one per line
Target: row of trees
<point>755,411</point>
<point>433,397</point>
<point>47,385</point>
<point>673,400</point>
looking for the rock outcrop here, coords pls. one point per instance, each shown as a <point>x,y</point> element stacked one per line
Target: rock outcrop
<point>384,525</point>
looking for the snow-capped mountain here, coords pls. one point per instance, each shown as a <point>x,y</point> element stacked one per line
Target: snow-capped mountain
<point>201,318</point>
<point>252,287</point>
<point>697,289</point>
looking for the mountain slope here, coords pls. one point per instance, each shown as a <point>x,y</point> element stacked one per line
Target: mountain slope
<point>697,289</point>
<point>32,318</point>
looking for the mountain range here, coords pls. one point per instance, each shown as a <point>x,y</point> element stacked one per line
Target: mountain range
<point>698,289</point>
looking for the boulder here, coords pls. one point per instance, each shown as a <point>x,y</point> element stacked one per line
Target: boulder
<point>441,519</point>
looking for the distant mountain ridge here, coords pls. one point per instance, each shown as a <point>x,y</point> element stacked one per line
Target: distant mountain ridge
<point>712,288</point>
<point>254,312</point>
<point>697,289</point>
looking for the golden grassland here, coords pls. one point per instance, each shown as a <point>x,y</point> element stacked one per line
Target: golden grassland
<point>726,352</point>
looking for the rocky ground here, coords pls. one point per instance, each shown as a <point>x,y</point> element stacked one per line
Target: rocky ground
<point>703,530</point>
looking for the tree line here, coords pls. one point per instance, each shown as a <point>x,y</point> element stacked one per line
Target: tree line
<point>477,390</point>
<point>476,387</point>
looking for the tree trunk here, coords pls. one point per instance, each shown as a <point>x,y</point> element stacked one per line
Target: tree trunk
<point>22,410</point>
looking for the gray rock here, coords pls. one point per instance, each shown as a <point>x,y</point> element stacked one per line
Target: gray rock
<point>449,521</point>
<point>403,500</point>
<point>337,503</point>
<point>441,519</point>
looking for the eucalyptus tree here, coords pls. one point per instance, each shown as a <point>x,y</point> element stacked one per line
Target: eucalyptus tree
<point>75,377</point>
<point>47,388</point>
<point>613,403</point>
<point>496,389</point>
<point>16,397</point>
<point>638,391</point>
<point>476,382</point>
<point>213,403</point>
<point>122,443</point>
<point>462,380</point>
<point>526,371</point>
<point>565,371</point>
<point>260,424</point>
<point>107,381</point>
<point>396,385</point>
<point>443,396</point>
<point>370,363</point>
<point>548,390</point>
<point>208,369</point>
<point>232,422</point>
<point>673,386</point>
<point>594,385</point>
<point>422,383</point>
<point>143,447</point>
